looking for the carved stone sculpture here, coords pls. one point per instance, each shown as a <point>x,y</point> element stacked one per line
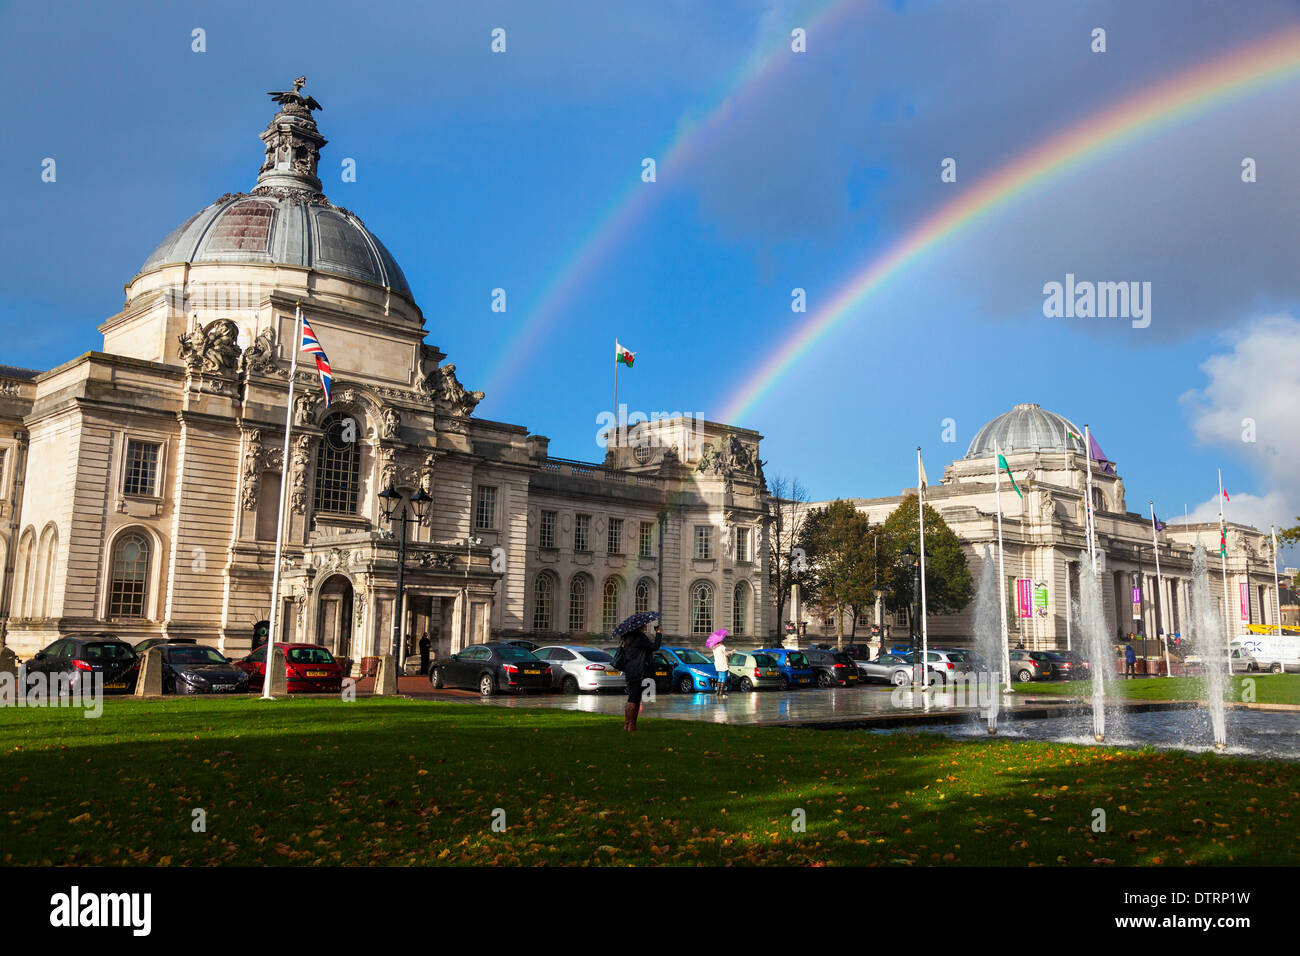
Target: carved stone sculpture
<point>260,356</point>
<point>213,351</point>
<point>392,422</point>
<point>301,459</point>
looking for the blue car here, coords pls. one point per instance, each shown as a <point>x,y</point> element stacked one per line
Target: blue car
<point>692,671</point>
<point>795,669</point>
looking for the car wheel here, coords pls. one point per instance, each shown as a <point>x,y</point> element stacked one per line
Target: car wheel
<point>746,684</point>
<point>487,685</point>
<point>435,678</point>
<point>899,678</point>
<point>823,679</point>
<point>1023,676</point>
<point>570,685</point>
<point>686,685</point>
<point>785,681</point>
<point>1275,669</point>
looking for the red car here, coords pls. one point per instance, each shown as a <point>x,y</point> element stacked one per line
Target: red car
<point>309,668</point>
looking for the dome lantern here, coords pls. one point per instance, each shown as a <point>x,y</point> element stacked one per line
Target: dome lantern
<point>293,144</point>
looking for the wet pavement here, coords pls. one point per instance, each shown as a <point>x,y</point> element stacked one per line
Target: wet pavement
<point>877,705</point>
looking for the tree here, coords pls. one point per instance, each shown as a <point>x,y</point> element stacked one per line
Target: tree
<point>837,542</point>
<point>948,586</point>
<point>786,566</point>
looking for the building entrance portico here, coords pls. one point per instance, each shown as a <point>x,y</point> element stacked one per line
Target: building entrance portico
<point>334,615</point>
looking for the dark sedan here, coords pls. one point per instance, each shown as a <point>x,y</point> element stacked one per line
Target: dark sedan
<point>80,658</point>
<point>832,668</point>
<point>1068,665</point>
<point>196,669</point>
<point>149,642</point>
<point>491,668</point>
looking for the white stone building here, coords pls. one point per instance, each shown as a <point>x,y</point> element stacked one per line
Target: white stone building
<point>140,484</point>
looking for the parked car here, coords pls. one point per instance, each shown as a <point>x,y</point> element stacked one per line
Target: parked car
<point>193,668</point>
<point>859,653</point>
<point>81,657</point>
<point>1029,665</point>
<point>1068,665</point>
<point>948,663</point>
<point>832,668</point>
<point>149,642</point>
<point>889,669</point>
<point>491,668</point>
<point>692,671</point>
<point>575,668</point>
<point>752,670</point>
<point>308,668</point>
<point>663,674</point>
<point>526,645</point>
<point>795,669</point>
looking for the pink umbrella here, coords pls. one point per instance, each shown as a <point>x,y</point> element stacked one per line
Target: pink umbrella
<point>717,637</point>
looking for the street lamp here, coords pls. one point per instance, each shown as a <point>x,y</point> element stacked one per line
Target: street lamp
<point>392,508</point>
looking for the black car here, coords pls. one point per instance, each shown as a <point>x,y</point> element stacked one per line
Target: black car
<point>81,657</point>
<point>149,642</point>
<point>832,668</point>
<point>197,669</point>
<point>1068,665</point>
<point>663,674</point>
<point>491,668</point>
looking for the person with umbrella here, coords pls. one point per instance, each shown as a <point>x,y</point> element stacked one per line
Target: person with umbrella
<point>635,658</point>
<point>720,655</point>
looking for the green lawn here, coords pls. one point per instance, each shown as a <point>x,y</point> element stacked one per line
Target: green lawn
<point>322,782</point>
<point>1268,688</point>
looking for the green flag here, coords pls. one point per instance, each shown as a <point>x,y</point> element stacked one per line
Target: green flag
<point>1002,463</point>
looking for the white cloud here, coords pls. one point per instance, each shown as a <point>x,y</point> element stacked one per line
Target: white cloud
<point>1253,391</point>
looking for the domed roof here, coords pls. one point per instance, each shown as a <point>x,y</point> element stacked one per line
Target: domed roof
<point>285,220</point>
<point>285,230</point>
<point>1026,427</point>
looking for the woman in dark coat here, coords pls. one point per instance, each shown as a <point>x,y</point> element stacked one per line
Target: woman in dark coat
<point>636,650</point>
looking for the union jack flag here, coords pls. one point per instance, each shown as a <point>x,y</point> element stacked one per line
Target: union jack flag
<point>311,345</point>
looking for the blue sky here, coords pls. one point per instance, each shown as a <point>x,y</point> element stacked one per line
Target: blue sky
<point>481,170</point>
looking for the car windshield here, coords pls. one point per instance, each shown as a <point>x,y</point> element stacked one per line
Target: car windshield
<point>188,654</point>
<point>510,652</point>
<point>795,659</point>
<point>599,657</point>
<point>957,655</point>
<point>764,660</point>
<point>689,656</point>
<point>108,652</point>
<point>310,655</point>
<point>1057,657</point>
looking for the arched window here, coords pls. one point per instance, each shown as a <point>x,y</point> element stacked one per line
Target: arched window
<point>702,608</point>
<point>128,582</point>
<point>338,466</point>
<point>578,604</point>
<point>543,602</point>
<point>739,608</point>
<point>642,595</point>
<point>45,570</point>
<point>26,573</point>
<point>609,605</point>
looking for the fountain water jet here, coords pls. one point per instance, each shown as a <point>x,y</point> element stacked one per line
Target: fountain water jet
<point>988,637</point>
<point>1208,639</point>
<point>1096,636</point>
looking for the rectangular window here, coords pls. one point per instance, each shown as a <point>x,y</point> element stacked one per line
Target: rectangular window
<point>703,542</point>
<point>3,452</point>
<point>141,469</point>
<point>582,532</point>
<point>742,544</point>
<point>485,513</point>
<point>647,538</point>
<point>615,543</point>
<point>546,534</point>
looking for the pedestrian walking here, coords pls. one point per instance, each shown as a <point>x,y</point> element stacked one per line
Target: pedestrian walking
<point>635,658</point>
<point>1130,662</point>
<point>425,644</point>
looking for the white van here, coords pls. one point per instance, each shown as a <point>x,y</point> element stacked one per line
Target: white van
<point>1265,652</point>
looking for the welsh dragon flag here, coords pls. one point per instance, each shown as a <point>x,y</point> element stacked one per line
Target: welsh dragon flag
<point>622,355</point>
<point>1002,463</point>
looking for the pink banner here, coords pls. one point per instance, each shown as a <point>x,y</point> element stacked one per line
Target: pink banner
<point>1024,597</point>
<point>1245,602</point>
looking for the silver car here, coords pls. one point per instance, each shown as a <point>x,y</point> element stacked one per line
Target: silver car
<point>576,668</point>
<point>891,669</point>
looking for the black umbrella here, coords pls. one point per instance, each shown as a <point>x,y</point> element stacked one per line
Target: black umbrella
<point>636,621</point>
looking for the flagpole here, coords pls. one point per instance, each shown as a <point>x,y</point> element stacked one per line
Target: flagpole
<point>1002,572</point>
<point>617,424</point>
<point>1091,523</point>
<point>925,632</point>
<point>1223,565</point>
<point>1277,594</point>
<point>279,519</point>
<point>1160,587</point>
